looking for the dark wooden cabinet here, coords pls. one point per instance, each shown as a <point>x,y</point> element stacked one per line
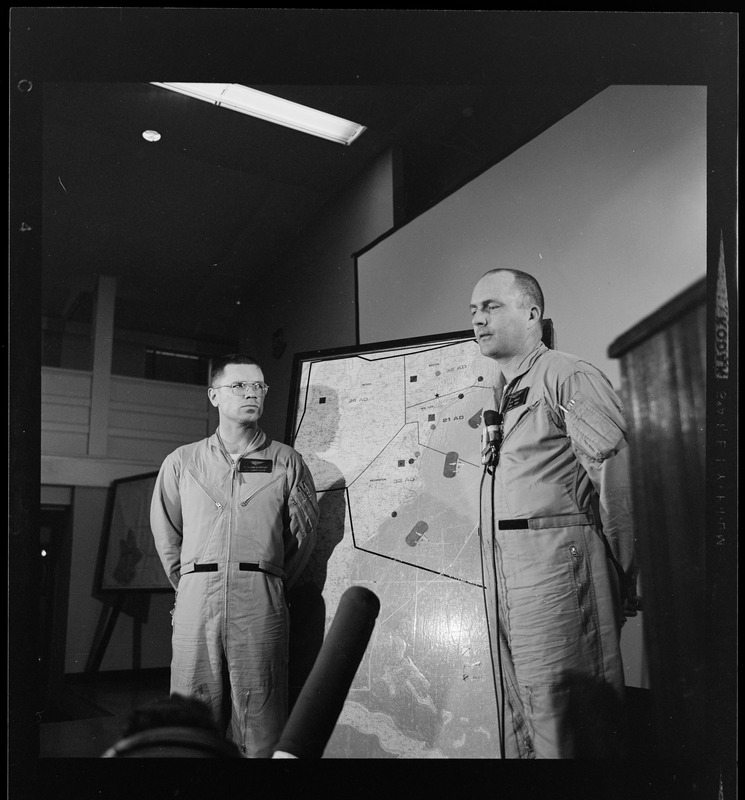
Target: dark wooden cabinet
<point>663,384</point>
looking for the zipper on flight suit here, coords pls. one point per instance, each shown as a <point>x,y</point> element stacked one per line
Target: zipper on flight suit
<point>261,488</point>
<point>218,505</point>
<point>518,423</point>
<point>199,483</point>
<point>226,595</point>
<point>506,394</point>
<point>246,727</point>
<point>579,588</point>
<point>503,413</point>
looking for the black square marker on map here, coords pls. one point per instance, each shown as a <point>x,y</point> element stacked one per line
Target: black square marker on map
<point>401,463</point>
<point>321,399</point>
<point>412,378</point>
<point>431,418</point>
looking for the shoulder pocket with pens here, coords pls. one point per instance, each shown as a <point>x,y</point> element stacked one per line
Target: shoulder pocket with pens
<point>591,429</point>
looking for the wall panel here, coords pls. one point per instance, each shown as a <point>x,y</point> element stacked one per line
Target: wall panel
<point>663,364</point>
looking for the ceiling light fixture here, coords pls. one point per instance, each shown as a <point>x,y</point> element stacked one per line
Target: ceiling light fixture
<point>151,136</point>
<point>271,108</point>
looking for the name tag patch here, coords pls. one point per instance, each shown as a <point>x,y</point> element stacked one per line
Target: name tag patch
<point>516,399</point>
<point>255,465</point>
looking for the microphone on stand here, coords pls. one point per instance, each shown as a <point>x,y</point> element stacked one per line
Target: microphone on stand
<point>322,697</point>
<point>492,436</point>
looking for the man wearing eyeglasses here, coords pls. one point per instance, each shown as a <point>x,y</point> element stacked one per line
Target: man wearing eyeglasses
<point>234,521</point>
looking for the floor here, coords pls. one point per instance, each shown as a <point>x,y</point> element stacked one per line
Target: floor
<point>90,713</point>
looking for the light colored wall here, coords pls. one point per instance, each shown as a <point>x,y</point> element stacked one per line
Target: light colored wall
<point>146,420</point>
<point>607,208</point>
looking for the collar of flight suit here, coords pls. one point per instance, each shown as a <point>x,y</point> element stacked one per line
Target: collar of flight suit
<point>257,443</point>
<point>524,367</point>
<point>529,360</point>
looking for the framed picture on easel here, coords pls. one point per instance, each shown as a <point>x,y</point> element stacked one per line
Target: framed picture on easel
<point>128,560</point>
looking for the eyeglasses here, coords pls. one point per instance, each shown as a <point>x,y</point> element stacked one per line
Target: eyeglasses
<point>239,389</point>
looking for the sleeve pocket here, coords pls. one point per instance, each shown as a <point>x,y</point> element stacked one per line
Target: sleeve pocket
<point>304,509</point>
<point>591,430</point>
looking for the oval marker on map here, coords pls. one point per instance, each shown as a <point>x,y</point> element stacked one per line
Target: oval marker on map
<point>451,464</point>
<point>475,420</point>
<point>416,533</point>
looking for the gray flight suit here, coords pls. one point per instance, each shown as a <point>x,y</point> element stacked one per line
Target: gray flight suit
<point>232,536</point>
<point>558,553</point>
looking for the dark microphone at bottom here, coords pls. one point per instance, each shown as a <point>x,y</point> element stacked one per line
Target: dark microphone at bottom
<point>322,697</point>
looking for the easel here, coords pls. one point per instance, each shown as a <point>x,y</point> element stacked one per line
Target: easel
<point>137,606</point>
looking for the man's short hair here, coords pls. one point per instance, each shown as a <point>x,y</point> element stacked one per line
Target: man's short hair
<point>219,364</point>
<point>527,287</point>
<point>172,712</point>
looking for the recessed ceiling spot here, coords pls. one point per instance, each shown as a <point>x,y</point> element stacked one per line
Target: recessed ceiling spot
<point>151,136</point>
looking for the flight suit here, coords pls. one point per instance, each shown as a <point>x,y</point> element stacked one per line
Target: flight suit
<point>232,536</point>
<point>558,557</point>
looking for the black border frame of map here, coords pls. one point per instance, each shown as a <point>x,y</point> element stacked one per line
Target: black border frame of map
<point>376,347</point>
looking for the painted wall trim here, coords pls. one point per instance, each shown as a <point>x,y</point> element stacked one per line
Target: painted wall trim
<point>56,495</point>
<point>90,471</point>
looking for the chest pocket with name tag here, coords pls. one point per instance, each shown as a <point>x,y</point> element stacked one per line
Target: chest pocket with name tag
<point>255,465</point>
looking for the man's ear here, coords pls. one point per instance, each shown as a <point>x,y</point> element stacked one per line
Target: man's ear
<point>212,394</point>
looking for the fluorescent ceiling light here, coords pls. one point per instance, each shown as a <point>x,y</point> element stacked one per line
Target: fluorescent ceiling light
<point>272,109</point>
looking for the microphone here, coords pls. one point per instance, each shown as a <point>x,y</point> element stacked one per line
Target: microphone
<point>322,697</point>
<point>491,422</point>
